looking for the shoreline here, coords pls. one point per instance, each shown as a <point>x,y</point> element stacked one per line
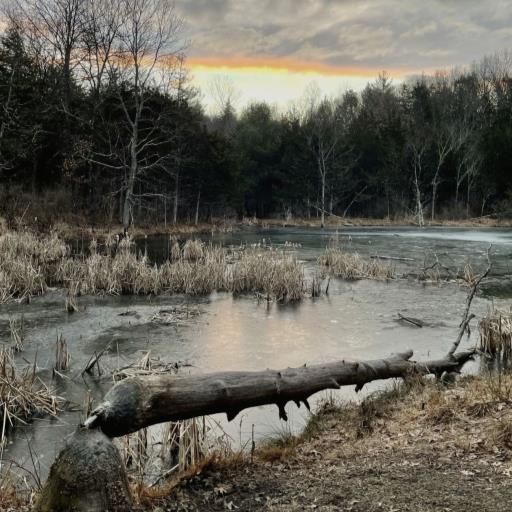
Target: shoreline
<point>82,229</point>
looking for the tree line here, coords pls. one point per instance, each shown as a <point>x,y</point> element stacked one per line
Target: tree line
<point>99,120</point>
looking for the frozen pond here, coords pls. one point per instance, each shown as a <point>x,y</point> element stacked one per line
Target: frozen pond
<point>357,320</point>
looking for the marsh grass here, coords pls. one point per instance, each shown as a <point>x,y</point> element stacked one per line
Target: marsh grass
<point>496,333</point>
<point>17,328</point>
<point>22,395</point>
<point>27,263</point>
<point>352,266</point>
<point>32,264</point>
<point>270,272</point>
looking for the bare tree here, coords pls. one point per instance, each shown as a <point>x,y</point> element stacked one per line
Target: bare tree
<point>418,149</point>
<point>103,21</point>
<point>223,93</point>
<point>147,44</point>
<point>60,25</point>
<point>326,126</point>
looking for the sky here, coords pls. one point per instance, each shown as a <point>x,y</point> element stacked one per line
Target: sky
<point>273,49</point>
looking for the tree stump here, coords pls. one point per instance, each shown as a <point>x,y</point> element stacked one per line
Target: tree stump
<point>87,476</point>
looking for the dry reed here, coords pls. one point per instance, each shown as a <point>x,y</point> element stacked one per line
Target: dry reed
<point>352,266</point>
<point>32,263</point>
<point>181,445</point>
<point>17,328</point>
<point>269,272</point>
<point>496,333</point>
<point>22,395</point>
<point>62,356</point>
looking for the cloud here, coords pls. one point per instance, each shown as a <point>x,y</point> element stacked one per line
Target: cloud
<point>370,34</point>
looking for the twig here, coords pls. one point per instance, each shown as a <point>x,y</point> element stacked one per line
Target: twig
<point>392,258</point>
<point>95,360</point>
<point>467,317</point>
<point>413,321</point>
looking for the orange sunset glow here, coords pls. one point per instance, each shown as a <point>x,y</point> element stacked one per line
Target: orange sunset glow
<point>280,80</point>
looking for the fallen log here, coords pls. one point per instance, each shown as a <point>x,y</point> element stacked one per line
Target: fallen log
<point>136,403</point>
<point>89,475</point>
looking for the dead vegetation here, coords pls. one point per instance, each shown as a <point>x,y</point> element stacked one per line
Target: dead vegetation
<point>496,333</point>
<point>32,264</point>
<point>22,394</point>
<point>27,259</point>
<point>270,272</point>
<point>145,366</point>
<point>339,262</point>
<point>62,355</point>
<point>153,455</point>
<point>17,328</point>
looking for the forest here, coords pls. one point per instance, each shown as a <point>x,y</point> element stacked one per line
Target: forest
<point>100,121</point>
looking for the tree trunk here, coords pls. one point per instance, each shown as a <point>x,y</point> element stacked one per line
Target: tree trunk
<point>127,206</point>
<point>134,168</point>
<point>196,220</point>
<point>66,72</point>
<point>468,197</point>
<point>87,476</point>
<point>419,206</point>
<point>322,220</point>
<point>176,196</point>
<point>434,195</point>
<point>34,175</point>
<point>137,403</point>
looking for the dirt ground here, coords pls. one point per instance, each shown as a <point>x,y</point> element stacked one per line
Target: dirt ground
<point>432,450</point>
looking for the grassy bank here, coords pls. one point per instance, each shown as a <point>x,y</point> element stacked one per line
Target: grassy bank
<point>420,446</point>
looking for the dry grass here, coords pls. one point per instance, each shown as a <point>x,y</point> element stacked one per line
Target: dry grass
<point>270,272</point>
<point>351,265</point>
<point>476,413</point>
<point>62,355</point>
<point>33,263</point>
<point>22,395</point>
<point>496,333</point>
<point>14,495</point>
<point>27,263</point>
<point>17,328</point>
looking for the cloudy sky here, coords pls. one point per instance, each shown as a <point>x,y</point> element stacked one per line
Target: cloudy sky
<point>272,49</point>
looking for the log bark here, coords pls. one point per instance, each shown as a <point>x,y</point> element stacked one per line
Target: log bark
<point>136,403</point>
<point>87,476</point>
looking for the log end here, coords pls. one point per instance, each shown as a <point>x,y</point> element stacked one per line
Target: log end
<point>121,411</point>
